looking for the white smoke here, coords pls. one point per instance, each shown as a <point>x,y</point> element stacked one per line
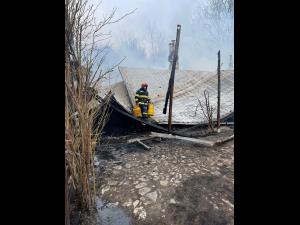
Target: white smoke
<point>143,36</point>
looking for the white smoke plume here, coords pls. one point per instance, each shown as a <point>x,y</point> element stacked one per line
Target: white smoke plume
<point>143,36</point>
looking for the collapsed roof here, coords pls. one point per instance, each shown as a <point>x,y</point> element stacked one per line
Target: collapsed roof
<point>189,86</point>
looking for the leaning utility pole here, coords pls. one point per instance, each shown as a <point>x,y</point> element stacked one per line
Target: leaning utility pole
<point>219,92</point>
<point>171,81</point>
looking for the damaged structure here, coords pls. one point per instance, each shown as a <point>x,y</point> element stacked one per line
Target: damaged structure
<point>189,87</point>
<point>188,177</point>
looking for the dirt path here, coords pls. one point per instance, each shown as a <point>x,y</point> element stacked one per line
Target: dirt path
<point>175,183</point>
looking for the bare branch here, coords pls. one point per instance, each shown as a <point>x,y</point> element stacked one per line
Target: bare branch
<point>85,56</point>
<point>122,17</point>
<point>207,110</point>
<point>108,71</point>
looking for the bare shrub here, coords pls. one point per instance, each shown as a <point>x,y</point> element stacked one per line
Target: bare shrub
<point>207,110</point>
<point>85,50</point>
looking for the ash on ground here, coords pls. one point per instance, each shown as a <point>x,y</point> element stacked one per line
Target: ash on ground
<point>173,183</point>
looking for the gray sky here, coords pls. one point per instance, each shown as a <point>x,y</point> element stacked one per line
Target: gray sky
<point>197,51</point>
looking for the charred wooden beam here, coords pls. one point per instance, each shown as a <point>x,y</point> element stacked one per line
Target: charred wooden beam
<point>171,81</point>
<point>197,141</point>
<point>222,141</point>
<point>219,91</point>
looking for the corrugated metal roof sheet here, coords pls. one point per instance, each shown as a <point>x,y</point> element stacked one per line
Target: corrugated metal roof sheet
<point>189,85</point>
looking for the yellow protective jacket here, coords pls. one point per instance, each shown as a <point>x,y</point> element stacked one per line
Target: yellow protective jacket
<point>142,97</point>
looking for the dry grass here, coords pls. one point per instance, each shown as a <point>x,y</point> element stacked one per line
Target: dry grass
<point>82,73</point>
<point>85,51</point>
<point>81,137</point>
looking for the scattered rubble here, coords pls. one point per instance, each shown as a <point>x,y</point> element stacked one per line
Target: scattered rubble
<point>135,203</point>
<point>173,183</point>
<point>152,196</point>
<point>164,183</point>
<point>144,190</point>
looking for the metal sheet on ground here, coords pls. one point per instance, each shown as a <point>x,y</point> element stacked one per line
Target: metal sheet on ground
<point>189,85</point>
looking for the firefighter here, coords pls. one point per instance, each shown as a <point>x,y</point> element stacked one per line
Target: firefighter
<point>142,99</point>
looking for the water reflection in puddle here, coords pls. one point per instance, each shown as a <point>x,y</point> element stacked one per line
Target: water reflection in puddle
<point>110,214</point>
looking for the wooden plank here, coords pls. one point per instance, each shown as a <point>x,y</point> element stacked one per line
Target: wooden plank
<point>219,142</point>
<point>144,145</point>
<point>138,139</point>
<point>193,140</point>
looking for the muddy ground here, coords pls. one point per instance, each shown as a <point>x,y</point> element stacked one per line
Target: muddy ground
<point>174,183</point>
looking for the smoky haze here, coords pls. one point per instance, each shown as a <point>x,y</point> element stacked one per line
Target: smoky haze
<point>143,37</point>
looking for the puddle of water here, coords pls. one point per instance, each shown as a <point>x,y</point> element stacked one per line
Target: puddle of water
<point>109,214</point>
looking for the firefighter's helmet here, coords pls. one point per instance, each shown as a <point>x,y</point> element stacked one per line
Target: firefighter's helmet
<point>144,85</point>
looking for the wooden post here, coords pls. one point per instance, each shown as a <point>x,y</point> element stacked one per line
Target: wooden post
<point>171,84</point>
<point>219,92</point>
